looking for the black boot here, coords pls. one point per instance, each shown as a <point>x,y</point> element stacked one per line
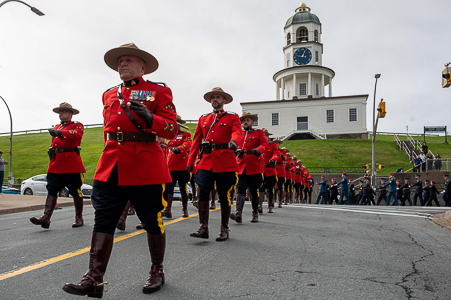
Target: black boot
<point>167,211</point>
<point>237,216</point>
<point>92,282</point>
<point>213,199</point>
<point>224,231</point>
<point>157,246</point>
<point>204,211</point>
<point>260,202</point>
<point>185,206</point>
<point>44,220</point>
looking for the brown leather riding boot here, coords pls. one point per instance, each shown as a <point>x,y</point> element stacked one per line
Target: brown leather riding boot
<point>261,196</point>
<point>238,215</point>
<point>121,223</point>
<point>167,211</point>
<point>44,220</point>
<point>254,210</point>
<point>232,195</point>
<point>204,211</point>
<point>213,199</point>
<point>185,206</point>
<point>157,246</point>
<point>224,230</point>
<point>270,202</point>
<point>78,204</point>
<point>280,198</point>
<point>92,282</point>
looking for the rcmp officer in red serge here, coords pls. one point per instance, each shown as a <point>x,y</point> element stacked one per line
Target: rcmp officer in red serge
<point>250,167</point>
<point>269,163</point>
<point>214,143</point>
<point>132,165</point>
<point>65,167</point>
<point>280,168</point>
<point>178,150</point>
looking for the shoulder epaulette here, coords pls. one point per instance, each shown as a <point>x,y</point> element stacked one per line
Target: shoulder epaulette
<point>206,114</point>
<point>158,83</point>
<point>231,112</point>
<point>111,88</point>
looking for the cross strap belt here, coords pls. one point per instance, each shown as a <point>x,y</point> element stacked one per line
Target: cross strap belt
<point>131,136</point>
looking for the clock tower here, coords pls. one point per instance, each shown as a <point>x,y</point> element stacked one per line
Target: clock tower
<point>303,75</point>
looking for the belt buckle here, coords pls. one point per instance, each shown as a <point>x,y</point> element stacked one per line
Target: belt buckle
<point>120,136</point>
<point>213,146</point>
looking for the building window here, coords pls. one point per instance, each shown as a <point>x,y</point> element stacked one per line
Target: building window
<point>288,59</point>
<point>303,89</point>
<point>330,116</point>
<point>255,124</point>
<point>302,34</point>
<point>316,56</point>
<point>302,123</point>
<point>316,35</point>
<point>275,119</point>
<point>288,38</point>
<point>353,115</point>
<point>317,89</point>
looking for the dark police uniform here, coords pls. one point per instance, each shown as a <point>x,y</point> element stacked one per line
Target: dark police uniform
<point>382,194</point>
<point>418,192</point>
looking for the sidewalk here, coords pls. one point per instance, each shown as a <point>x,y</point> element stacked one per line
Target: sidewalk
<point>19,203</point>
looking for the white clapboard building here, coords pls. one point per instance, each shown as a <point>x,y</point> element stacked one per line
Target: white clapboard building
<point>301,109</point>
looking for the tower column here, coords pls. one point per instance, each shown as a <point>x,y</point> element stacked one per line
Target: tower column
<point>294,85</point>
<point>330,87</point>
<point>283,88</point>
<point>322,85</point>
<point>309,84</point>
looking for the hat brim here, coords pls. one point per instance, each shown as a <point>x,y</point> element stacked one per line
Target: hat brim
<point>228,97</point>
<point>254,118</point>
<point>73,110</point>
<point>111,58</point>
<point>277,141</point>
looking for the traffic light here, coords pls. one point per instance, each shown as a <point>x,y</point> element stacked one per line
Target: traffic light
<point>366,167</point>
<point>381,109</point>
<point>380,166</point>
<point>446,82</point>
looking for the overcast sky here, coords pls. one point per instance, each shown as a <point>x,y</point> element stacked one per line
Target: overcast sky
<point>235,44</point>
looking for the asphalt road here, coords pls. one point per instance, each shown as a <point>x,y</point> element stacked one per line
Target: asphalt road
<point>299,252</point>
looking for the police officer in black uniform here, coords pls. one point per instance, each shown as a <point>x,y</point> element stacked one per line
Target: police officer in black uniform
<point>418,191</point>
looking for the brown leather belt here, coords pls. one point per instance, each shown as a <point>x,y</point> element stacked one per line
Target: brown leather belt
<point>130,136</point>
<point>268,166</point>
<point>59,150</point>
<point>279,163</point>
<point>246,152</point>
<point>219,146</point>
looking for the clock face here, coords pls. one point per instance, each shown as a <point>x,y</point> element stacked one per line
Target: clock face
<point>302,56</point>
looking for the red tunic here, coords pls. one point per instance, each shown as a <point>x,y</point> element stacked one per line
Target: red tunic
<point>280,164</point>
<point>67,162</point>
<point>138,163</point>
<point>297,174</point>
<point>252,139</point>
<point>272,153</point>
<point>178,162</point>
<point>288,166</point>
<point>227,129</point>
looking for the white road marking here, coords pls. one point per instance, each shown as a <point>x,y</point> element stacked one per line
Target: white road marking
<point>364,211</point>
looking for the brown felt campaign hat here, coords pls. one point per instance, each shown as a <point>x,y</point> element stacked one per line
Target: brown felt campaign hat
<point>266,131</point>
<point>180,120</point>
<point>67,106</point>
<point>112,57</point>
<point>277,141</point>
<point>218,91</point>
<point>248,115</point>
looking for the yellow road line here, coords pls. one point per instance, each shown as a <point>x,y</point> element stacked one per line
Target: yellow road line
<point>53,260</point>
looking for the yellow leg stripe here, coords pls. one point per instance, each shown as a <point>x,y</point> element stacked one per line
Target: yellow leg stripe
<point>159,219</point>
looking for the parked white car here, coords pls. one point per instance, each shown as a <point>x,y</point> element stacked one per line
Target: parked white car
<point>36,186</point>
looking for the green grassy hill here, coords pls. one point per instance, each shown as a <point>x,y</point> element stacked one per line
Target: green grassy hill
<point>30,152</point>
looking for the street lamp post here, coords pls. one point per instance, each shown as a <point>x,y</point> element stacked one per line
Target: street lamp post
<point>10,176</point>
<point>33,9</point>
<point>373,160</point>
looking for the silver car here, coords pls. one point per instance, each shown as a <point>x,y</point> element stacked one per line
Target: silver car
<point>36,186</point>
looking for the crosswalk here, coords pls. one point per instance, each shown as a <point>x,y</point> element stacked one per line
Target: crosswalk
<point>403,211</point>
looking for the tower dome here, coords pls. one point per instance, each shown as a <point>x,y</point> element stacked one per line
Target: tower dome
<point>303,15</point>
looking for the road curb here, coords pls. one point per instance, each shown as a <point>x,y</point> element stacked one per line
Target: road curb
<point>7,211</point>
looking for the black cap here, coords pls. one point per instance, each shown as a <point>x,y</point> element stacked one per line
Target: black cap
<point>418,175</point>
<point>1,152</point>
<point>446,175</point>
<point>427,180</point>
<point>407,178</point>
